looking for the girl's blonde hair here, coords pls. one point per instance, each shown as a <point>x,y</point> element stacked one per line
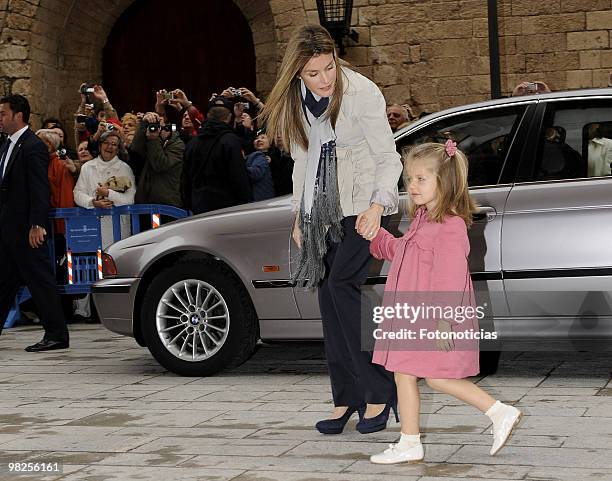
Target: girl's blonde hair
<point>282,113</point>
<point>451,181</point>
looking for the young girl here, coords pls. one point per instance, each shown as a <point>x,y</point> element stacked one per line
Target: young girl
<point>431,258</point>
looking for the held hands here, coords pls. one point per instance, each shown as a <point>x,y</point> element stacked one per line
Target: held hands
<point>36,237</point>
<point>445,345</point>
<point>368,222</point>
<point>103,203</point>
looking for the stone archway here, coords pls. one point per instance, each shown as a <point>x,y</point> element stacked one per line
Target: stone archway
<point>48,47</point>
<point>201,53</point>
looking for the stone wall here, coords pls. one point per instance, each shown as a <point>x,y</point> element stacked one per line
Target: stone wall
<point>48,47</point>
<point>435,54</point>
<point>430,53</point>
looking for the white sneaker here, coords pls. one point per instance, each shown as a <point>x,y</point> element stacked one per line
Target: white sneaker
<point>503,428</point>
<point>396,454</point>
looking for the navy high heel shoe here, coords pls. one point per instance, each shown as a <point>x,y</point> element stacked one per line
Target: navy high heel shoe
<point>336,426</point>
<point>378,423</point>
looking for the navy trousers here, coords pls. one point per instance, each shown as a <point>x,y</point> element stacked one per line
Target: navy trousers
<point>354,379</point>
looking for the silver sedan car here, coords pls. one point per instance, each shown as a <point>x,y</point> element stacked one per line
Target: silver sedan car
<point>200,292</point>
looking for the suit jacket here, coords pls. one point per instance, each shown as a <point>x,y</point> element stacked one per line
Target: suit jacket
<point>25,194</point>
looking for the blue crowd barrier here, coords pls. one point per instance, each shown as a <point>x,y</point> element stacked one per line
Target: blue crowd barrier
<point>83,235</point>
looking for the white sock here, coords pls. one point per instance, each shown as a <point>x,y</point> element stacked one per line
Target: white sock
<point>495,412</point>
<point>409,440</point>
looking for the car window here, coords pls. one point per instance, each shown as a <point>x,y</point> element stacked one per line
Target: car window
<point>484,136</point>
<point>575,140</point>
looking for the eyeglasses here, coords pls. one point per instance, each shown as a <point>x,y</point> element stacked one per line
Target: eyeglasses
<point>110,144</point>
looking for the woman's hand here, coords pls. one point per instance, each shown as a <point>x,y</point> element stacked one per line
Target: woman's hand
<point>445,345</point>
<point>368,222</point>
<point>247,121</point>
<point>101,191</point>
<point>297,232</point>
<point>69,164</point>
<point>103,203</point>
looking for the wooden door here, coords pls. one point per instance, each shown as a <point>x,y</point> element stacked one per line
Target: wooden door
<point>199,46</point>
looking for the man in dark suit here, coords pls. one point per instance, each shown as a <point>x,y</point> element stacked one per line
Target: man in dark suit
<point>24,208</point>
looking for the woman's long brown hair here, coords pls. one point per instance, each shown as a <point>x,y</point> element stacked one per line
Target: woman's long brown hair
<point>283,114</point>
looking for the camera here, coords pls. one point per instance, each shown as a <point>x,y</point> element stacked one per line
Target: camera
<point>153,127</point>
<point>235,92</point>
<point>81,118</point>
<point>87,89</point>
<point>62,153</point>
<point>108,126</point>
<point>169,128</point>
<point>532,87</point>
<point>169,95</point>
<point>245,105</point>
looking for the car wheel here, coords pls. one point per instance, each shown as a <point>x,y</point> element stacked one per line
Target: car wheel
<point>197,319</point>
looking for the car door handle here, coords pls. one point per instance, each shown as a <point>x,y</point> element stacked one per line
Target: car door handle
<point>485,213</point>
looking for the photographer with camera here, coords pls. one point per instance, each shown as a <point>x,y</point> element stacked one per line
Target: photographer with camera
<point>245,104</point>
<point>158,144</point>
<point>130,124</point>
<point>183,112</point>
<point>93,109</point>
<point>56,125</point>
<point>530,88</point>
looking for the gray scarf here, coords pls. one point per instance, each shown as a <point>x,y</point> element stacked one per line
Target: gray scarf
<point>320,213</point>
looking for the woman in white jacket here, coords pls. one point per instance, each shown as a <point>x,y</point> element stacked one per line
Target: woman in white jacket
<point>344,181</point>
<point>89,191</point>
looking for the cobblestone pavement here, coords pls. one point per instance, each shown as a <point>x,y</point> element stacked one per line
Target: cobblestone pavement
<point>107,411</point>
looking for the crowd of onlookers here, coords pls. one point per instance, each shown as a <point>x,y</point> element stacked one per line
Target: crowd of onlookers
<point>177,154</point>
<point>155,158</point>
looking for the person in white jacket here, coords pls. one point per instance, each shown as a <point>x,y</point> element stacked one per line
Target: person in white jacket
<point>600,152</point>
<point>89,191</point>
<point>344,185</point>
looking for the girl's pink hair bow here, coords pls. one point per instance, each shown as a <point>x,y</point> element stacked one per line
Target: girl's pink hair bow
<point>450,147</point>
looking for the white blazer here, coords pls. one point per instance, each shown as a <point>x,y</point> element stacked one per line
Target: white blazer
<point>368,164</point>
<point>95,172</point>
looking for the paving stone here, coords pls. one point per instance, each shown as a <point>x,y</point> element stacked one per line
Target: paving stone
<point>73,442</point>
<point>601,441</point>
<point>145,473</point>
<point>564,426</point>
<point>281,476</point>
<point>558,457</point>
<point>569,474</point>
<point>131,417</point>
<point>431,470</point>
<point>138,459</point>
<point>270,463</point>
<point>199,432</point>
<point>218,446</point>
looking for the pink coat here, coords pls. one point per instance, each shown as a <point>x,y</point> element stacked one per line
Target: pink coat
<point>430,258</point>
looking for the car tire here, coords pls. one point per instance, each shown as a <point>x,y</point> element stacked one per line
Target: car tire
<point>197,276</point>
